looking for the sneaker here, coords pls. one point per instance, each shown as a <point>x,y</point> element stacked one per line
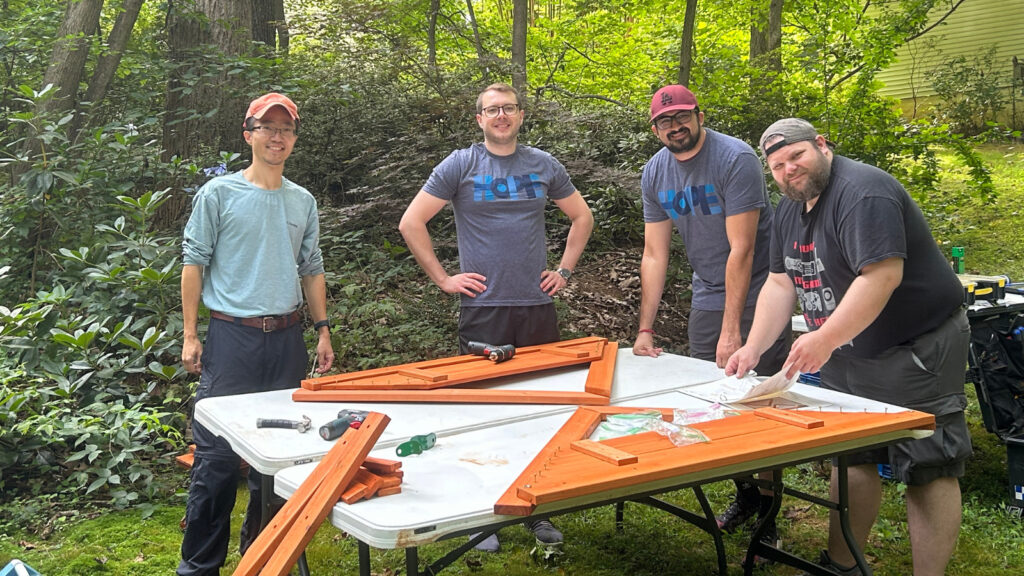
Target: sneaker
<point>741,510</point>
<point>489,544</point>
<point>825,561</point>
<point>546,533</point>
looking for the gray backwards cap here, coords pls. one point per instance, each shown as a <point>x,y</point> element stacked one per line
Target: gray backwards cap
<point>792,130</point>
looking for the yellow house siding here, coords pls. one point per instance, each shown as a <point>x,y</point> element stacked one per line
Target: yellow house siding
<point>975,27</point>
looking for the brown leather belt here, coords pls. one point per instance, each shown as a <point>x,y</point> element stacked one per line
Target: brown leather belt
<point>265,323</point>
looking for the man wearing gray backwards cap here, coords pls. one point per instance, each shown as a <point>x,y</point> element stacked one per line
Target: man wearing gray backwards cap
<point>709,187</point>
<point>886,322</point>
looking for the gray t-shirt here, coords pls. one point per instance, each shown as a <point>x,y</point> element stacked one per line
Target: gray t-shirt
<point>723,179</point>
<point>499,218</point>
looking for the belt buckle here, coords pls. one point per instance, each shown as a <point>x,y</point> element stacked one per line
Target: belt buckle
<point>272,321</point>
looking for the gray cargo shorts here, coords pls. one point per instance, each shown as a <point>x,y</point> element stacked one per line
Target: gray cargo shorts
<point>925,374</point>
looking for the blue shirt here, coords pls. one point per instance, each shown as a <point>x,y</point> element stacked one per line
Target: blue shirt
<point>254,245</point>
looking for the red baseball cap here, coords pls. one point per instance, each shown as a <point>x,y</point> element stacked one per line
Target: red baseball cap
<point>671,98</point>
<point>259,106</point>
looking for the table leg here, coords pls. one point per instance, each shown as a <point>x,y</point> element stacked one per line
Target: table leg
<point>620,514</point>
<point>412,561</point>
<point>364,559</point>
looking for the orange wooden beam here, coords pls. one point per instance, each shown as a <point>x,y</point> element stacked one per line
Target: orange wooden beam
<point>282,541</point>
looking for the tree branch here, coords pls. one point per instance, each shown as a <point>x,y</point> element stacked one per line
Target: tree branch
<point>555,88</point>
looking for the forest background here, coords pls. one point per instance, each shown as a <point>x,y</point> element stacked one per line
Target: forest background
<point>112,114</point>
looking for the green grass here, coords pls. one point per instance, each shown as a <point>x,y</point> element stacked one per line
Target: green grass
<point>652,542</point>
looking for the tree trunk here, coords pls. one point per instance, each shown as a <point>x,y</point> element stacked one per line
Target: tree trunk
<point>269,26</point>
<point>435,7</point>
<point>108,62</point>
<point>519,26</point>
<point>480,56</point>
<point>182,135</point>
<point>686,43</point>
<point>766,37</point>
<point>70,51</point>
<point>231,33</point>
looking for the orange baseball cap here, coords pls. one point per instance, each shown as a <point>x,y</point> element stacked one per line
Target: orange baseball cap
<point>259,106</point>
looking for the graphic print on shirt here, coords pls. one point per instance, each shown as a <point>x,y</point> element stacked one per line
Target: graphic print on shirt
<point>816,300</point>
<point>700,200</point>
<point>487,188</point>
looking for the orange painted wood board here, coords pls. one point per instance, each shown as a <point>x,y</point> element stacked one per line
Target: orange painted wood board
<point>444,372</point>
<point>282,541</point>
<point>394,385</point>
<point>604,452</point>
<point>455,395</point>
<point>560,473</point>
<point>580,426</point>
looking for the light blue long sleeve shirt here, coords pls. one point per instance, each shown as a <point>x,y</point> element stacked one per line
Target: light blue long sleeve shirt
<point>254,245</point>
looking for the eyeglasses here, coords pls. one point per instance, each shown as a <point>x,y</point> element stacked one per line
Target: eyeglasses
<point>667,122</point>
<point>270,131</point>
<point>493,111</point>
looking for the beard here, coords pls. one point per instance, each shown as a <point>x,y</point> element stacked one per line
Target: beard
<point>686,144</point>
<point>814,182</point>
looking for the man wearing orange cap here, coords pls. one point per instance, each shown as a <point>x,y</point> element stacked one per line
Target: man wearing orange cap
<point>250,250</point>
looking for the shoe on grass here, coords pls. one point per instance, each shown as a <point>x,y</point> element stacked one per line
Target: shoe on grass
<point>825,561</point>
<point>545,531</point>
<point>489,544</point>
<point>741,510</point>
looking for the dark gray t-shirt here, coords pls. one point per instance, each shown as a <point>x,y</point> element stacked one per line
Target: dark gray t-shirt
<point>499,206</point>
<point>864,216</point>
<point>723,179</point>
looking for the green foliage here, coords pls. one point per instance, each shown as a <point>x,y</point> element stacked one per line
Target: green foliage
<point>972,91</point>
<point>90,399</point>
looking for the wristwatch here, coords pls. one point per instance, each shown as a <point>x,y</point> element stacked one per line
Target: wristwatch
<point>318,325</point>
<point>564,273</point>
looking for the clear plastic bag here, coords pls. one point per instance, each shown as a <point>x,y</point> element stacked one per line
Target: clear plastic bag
<point>679,435</point>
<point>616,425</point>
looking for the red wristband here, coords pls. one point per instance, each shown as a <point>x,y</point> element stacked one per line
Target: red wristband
<point>646,331</point>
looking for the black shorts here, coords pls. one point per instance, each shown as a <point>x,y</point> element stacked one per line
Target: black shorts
<point>500,325</point>
<point>925,374</point>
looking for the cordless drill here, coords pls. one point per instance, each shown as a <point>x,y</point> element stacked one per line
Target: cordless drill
<point>346,419</point>
<point>496,354</point>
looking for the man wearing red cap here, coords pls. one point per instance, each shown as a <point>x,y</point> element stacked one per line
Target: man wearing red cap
<point>710,188</point>
<point>250,250</point>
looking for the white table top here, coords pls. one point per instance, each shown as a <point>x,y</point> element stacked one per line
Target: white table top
<point>269,450</point>
<point>453,486</point>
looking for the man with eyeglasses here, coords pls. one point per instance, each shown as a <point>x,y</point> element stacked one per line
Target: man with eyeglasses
<point>709,187</point>
<point>498,190</point>
<point>251,249</point>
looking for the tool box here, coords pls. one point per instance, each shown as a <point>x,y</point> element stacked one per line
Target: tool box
<point>991,288</point>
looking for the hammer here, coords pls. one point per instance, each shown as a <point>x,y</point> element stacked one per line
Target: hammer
<point>301,425</point>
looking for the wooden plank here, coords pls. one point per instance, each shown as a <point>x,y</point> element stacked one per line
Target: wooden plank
<point>279,545</point>
<point>355,492</point>
<point>602,372</point>
<point>389,491</point>
<point>422,374</point>
<point>465,368</point>
<point>604,452</point>
<point>790,417</point>
<point>321,502</point>
<point>580,425</point>
<point>462,395</point>
<point>781,439</point>
<point>381,465</point>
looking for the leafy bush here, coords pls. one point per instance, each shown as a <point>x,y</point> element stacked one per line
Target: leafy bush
<point>972,91</point>
<point>90,395</point>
